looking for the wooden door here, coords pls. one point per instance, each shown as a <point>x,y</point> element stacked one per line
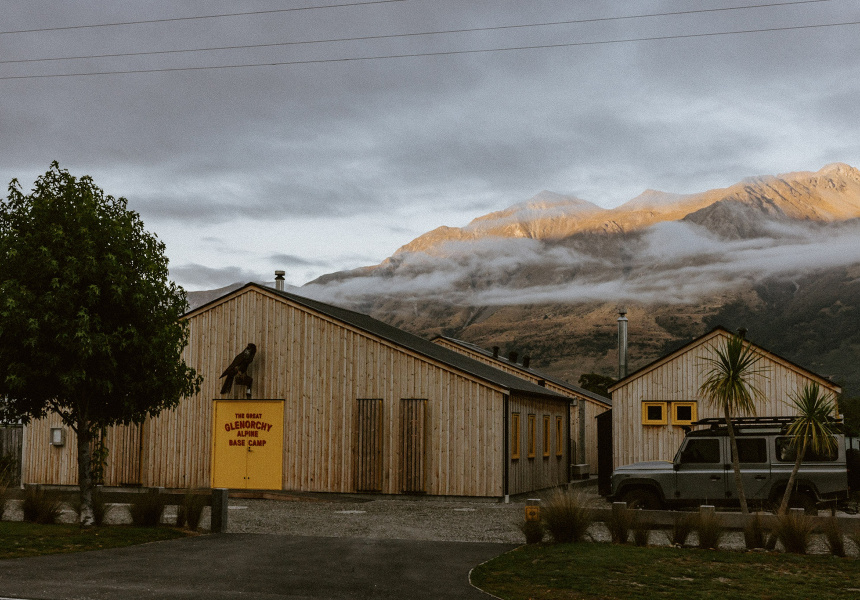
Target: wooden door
<point>413,445</point>
<point>368,470</point>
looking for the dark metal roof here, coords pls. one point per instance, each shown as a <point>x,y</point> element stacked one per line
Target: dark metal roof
<point>407,340</point>
<point>534,372</point>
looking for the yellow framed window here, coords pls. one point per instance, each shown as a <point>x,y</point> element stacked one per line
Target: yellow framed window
<point>531,448</point>
<point>547,432</point>
<point>559,437</point>
<point>515,436</point>
<point>654,413</point>
<point>684,413</point>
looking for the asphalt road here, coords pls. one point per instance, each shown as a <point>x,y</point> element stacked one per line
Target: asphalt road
<point>216,567</point>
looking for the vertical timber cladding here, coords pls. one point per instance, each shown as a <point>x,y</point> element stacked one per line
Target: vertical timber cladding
<point>368,469</point>
<point>537,470</point>
<point>413,453</point>
<point>248,446</point>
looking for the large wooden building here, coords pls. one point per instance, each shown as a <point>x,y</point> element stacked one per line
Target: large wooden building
<point>585,405</point>
<point>652,407</point>
<point>340,402</point>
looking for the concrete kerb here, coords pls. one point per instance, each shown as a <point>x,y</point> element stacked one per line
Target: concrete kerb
<point>665,519</point>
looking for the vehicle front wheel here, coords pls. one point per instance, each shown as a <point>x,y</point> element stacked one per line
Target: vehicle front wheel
<point>804,500</point>
<point>642,499</point>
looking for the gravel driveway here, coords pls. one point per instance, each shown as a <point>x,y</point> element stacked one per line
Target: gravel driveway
<point>425,519</point>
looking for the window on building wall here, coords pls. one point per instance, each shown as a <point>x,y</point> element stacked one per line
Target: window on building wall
<point>684,413</point>
<point>654,413</point>
<point>547,432</point>
<point>531,437</point>
<point>559,437</point>
<point>515,436</point>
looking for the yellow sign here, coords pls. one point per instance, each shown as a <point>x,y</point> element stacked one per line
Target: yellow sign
<point>532,513</point>
<point>248,444</point>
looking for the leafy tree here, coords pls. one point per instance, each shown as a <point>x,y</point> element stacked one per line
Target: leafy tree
<point>813,429</point>
<point>594,382</point>
<point>728,387</point>
<point>90,324</point>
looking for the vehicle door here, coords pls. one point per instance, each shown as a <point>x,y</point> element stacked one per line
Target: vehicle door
<point>755,469</point>
<point>700,471</point>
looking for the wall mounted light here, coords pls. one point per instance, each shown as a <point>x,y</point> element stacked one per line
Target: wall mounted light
<point>58,436</point>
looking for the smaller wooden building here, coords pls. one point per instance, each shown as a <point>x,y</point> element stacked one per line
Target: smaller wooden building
<point>585,405</point>
<point>652,406</point>
<point>340,402</point>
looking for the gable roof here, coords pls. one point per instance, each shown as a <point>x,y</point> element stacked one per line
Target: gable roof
<point>398,337</point>
<point>717,331</point>
<point>534,372</point>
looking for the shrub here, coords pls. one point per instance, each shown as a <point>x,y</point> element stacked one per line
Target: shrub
<point>710,528</point>
<point>794,530</point>
<point>834,536</point>
<point>754,533</point>
<point>619,524</point>
<point>641,531</point>
<point>566,517</point>
<point>533,530</point>
<point>40,507</point>
<point>147,509</point>
<point>190,510</point>
<point>4,488</point>
<point>682,527</point>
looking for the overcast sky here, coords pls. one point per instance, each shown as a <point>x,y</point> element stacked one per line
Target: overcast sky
<point>329,164</point>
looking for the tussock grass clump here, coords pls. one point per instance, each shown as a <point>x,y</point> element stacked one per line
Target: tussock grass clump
<point>619,524</point>
<point>147,509</point>
<point>710,528</point>
<point>794,531</point>
<point>41,507</point>
<point>682,527</point>
<point>754,533</point>
<point>567,517</point>
<point>834,536</point>
<point>533,530</point>
<point>190,510</point>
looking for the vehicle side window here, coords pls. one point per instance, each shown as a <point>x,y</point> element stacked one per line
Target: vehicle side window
<point>786,452</point>
<point>701,451</point>
<point>752,450</point>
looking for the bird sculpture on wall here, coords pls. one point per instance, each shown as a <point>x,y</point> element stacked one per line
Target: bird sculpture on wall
<point>238,368</point>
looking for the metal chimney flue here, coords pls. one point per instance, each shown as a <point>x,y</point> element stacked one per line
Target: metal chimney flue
<point>279,280</point>
<point>622,342</point>
<point>512,356</point>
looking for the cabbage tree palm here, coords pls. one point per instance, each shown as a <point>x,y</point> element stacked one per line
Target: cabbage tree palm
<point>812,429</point>
<point>728,386</point>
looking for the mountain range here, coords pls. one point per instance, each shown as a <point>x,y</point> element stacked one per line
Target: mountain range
<point>777,255</point>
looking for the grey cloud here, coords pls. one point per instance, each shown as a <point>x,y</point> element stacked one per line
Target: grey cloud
<point>209,277</point>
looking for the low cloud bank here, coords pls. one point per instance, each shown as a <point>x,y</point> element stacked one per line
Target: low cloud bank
<point>671,262</point>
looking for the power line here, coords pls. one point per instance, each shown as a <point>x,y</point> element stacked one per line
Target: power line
<point>439,53</point>
<point>404,35</point>
<point>198,17</point>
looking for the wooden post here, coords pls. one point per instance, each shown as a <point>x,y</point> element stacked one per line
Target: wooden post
<point>220,498</point>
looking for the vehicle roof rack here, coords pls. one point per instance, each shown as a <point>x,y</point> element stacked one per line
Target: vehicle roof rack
<point>747,422</point>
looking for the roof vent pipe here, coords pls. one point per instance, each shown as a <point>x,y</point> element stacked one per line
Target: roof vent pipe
<point>512,356</point>
<point>495,352</point>
<point>526,361</point>
<point>622,342</point>
<point>279,280</point>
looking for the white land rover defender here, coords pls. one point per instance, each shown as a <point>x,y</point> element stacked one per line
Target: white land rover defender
<point>702,471</point>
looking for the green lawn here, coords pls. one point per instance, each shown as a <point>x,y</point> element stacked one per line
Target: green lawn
<point>602,570</point>
<point>19,539</point>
